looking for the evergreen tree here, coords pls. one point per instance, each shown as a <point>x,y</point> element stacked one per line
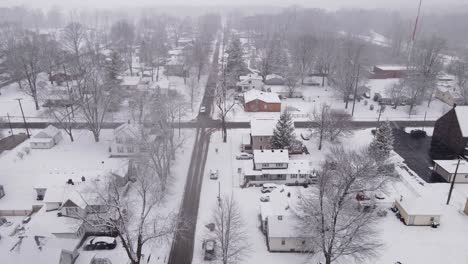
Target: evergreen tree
<point>382,144</point>
<point>235,65</point>
<point>114,67</point>
<point>283,135</point>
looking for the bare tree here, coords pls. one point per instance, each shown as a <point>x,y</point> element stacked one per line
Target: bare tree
<point>329,124</point>
<point>325,56</point>
<point>331,217</point>
<point>135,212</point>
<point>426,63</point>
<point>192,84</point>
<point>291,80</point>
<point>230,233</point>
<point>72,39</point>
<point>153,49</point>
<point>460,70</point>
<point>396,92</point>
<point>123,36</point>
<point>272,56</point>
<point>303,49</point>
<point>63,116</point>
<point>225,103</point>
<point>346,73</point>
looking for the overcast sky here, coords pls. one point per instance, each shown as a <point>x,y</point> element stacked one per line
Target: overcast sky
<point>328,4</point>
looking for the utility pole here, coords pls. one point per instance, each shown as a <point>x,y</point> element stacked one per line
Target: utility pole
<point>24,118</point>
<point>9,124</point>
<point>355,90</point>
<point>453,181</point>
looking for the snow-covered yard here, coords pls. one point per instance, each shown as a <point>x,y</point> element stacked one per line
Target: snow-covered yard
<point>408,244</point>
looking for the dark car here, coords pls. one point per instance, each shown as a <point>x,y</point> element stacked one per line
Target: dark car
<point>98,243</point>
<point>209,249</point>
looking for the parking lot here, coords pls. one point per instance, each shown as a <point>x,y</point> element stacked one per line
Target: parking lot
<point>415,152</point>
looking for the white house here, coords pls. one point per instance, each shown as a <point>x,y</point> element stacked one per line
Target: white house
<point>274,166</point>
<point>446,169</point>
<point>280,224</point>
<point>274,79</point>
<point>124,142</point>
<point>261,133</point>
<point>248,82</point>
<point>46,139</point>
<point>130,82</point>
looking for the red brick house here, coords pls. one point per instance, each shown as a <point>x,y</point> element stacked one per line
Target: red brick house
<point>451,132</point>
<point>258,101</point>
<point>388,72</point>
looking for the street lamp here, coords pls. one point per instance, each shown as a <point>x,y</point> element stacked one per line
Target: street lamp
<point>24,119</point>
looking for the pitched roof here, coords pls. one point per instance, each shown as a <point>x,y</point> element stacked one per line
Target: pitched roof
<point>462,116</point>
<point>421,206</point>
<point>271,155</point>
<point>48,132</point>
<point>262,127</point>
<point>266,97</point>
<point>287,227</point>
<point>392,67</point>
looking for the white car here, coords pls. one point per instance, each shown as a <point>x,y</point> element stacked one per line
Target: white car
<point>214,174</point>
<point>244,156</point>
<point>268,187</point>
<point>264,198</point>
<point>202,110</point>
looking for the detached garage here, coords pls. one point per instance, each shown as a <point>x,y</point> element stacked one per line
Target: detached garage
<point>419,211</point>
<point>47,138</point>
<point>446,169</point>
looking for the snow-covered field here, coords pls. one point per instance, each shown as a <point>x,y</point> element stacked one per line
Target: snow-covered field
<point>408,244</point>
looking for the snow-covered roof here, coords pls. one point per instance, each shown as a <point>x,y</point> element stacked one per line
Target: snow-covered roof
<point>48,132</point>
<point>266,97</point>
<point>462,116</point>
<point>271,155</point>
<point>274,76</point>
<point>250,77</point>
<point>262,127</point>
<point>130,80</point>
<point>451,165</point>
<point>246,139</point>
<point>129,129</point>
<point>287,227</point>
<point>421,206</point>
<point>392,67</point>
<point>48,223</point>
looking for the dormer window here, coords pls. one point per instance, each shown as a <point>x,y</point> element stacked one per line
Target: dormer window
<point>280,217</point>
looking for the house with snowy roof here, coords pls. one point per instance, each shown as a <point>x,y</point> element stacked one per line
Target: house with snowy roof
<point>249,82</point>
<point>124,142</point>
<point>46,138</point>
<point>130,82</point>
<point>388,71</point>
<point>274,79</point>
<point>259,101</point>
<point>280,223</point>
<point>261,133</point>
<point>451,132</point>
<point>446,169</point>
<point>420,211</point>
<point>274,166</point>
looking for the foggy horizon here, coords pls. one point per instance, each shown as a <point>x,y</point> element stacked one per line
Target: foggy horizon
<point>429,5</point>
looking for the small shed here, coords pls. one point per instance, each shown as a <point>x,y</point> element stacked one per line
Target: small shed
<point>446,169</point>
<point>274,79</point>
<point>419,211</point>
<point>47,138</point>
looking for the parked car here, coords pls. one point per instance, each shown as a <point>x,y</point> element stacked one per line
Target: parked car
<point>418,133</point>
<point>100,261</point>
<point>265,198</point>
<point>103,242</point>
<point>268,187</point>
<point>202,110</point>
<point>214,174</point>
<point>244,156</point>
<point>209,249</point>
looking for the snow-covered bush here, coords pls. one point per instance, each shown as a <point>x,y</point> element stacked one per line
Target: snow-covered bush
<point>371,107</point>
<point>26,150</point>
<point>20,155</point>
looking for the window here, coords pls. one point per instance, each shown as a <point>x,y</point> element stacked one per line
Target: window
<point>293,176</point>
<point>283,242</point>
<point>302,176</point>
<point>120,149</point>
<point>265,106</point>
<point>119,140</point>
<point>303,242</point>
<point>129,149</point>
<point>250,81</point>
<point>280,217</point>
<point>279,164</point>
<point>71,211</point>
